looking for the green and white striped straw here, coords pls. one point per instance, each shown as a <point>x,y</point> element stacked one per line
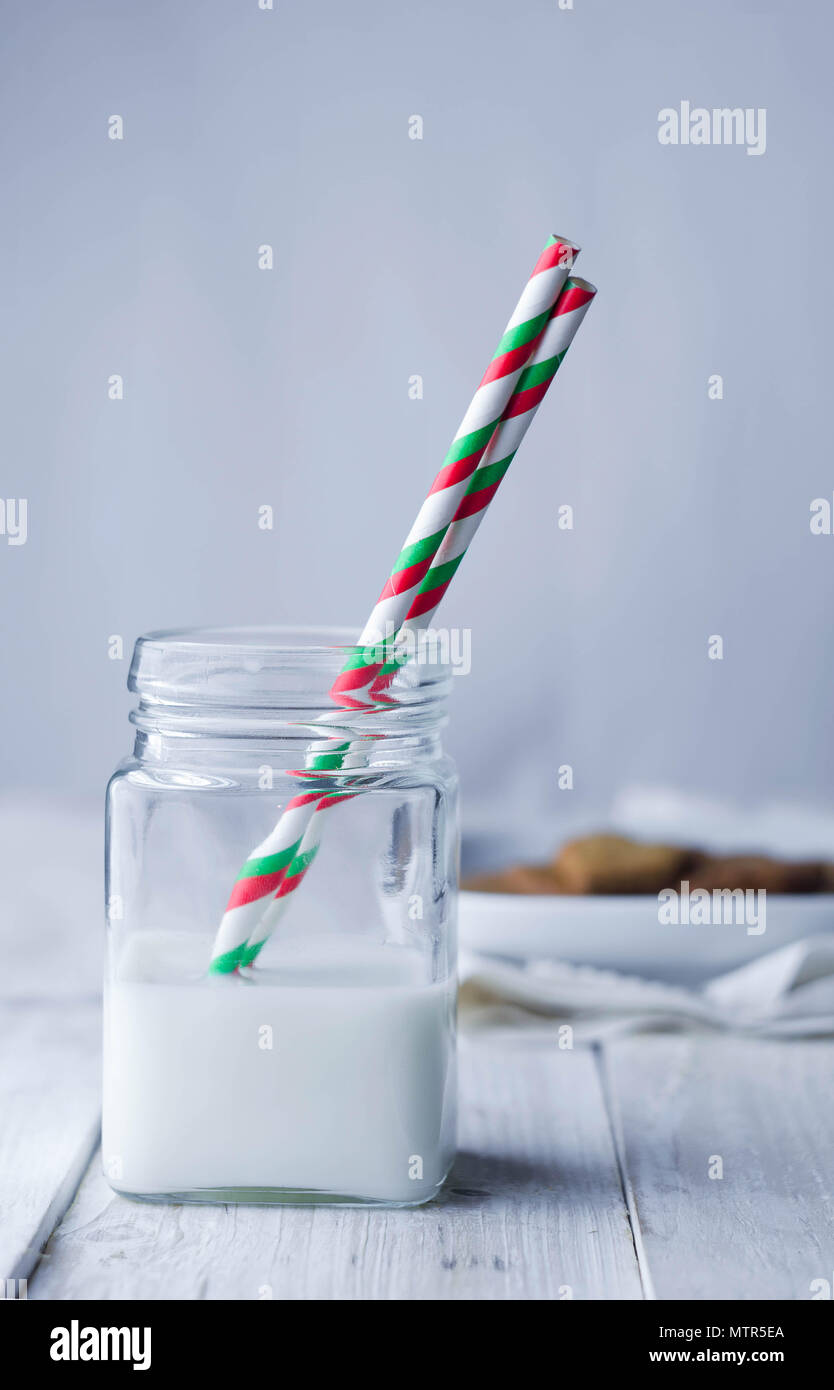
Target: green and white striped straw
<point>261,875</point>
<point>530,390</point>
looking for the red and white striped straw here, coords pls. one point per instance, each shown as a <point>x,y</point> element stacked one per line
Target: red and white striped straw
<point>531,388</point>
<point>257,880</point>
<point>518,342</point>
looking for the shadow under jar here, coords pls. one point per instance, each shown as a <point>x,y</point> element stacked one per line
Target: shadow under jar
<point>325,1070</point>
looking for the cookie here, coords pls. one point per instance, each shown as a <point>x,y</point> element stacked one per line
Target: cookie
<point>758,871</point>
<point>521,878</point>
<point>616,864</point>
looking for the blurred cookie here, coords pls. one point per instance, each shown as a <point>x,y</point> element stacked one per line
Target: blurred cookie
<point>535,878</point>
<point>758,871</point>
<point>521,878</point>
<point>616,864</point>
<point>613,864</point>
<point>486,883</point>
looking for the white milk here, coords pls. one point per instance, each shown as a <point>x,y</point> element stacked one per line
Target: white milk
<point>331,1071</point>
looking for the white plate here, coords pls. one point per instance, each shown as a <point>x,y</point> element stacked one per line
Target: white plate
<point>623,933</point>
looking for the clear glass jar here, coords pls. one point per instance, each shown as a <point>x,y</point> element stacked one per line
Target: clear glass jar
<point>324,1071</point>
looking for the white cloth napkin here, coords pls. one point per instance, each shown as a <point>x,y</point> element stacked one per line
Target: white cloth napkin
<point>789,993</point>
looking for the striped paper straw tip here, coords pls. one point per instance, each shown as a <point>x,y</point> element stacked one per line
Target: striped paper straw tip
<point>530,389</point>
<point>518,341</point>
<point>514,348</point>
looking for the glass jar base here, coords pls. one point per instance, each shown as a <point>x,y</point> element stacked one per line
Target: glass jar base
<point>274,1196</point>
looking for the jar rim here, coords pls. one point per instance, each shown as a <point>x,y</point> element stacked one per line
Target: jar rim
<point>274,666</point>
<point>279,639</point>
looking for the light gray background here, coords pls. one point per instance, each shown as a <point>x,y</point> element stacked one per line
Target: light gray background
<point>394,257</point>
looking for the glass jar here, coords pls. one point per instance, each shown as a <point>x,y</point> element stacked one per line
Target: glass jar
<point>322,1071</point>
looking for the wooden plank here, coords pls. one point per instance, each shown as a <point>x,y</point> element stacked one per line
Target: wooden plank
<point>49,1104</point>
<point>534,1210</point>
<point>766,1228</point>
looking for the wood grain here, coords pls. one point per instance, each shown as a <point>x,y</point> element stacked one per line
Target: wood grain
<point>766,1228</point>
<point>534,1209</point>
<point>49,1103</point>
<point>554,1145</point>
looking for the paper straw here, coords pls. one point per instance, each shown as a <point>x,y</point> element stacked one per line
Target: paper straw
<point>515,349</point>
<point>527,322</point>
<point>567,315</point>
<point>293,877</point>
<point>529,392</point>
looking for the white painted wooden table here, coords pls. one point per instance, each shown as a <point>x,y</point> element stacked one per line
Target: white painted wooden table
<point>581,1174</point>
